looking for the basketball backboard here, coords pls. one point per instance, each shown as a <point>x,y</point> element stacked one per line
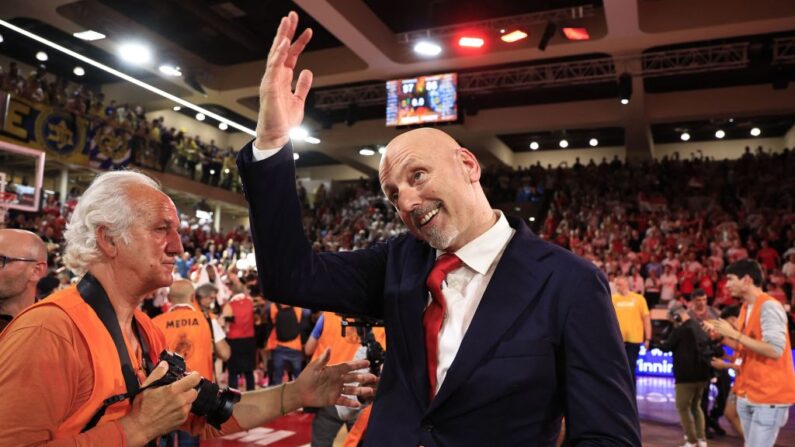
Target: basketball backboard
<point>21,177</point>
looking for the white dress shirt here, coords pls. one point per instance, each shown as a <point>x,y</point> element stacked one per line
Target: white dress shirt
<point>464,288</point>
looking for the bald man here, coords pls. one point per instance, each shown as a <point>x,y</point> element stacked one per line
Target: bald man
<point>494,335</point>
<point>23,262</point>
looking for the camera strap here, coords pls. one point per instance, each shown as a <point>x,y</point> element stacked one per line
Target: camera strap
<point>95,296</point>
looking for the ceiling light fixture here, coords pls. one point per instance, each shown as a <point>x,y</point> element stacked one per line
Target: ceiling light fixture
<point>685,136</point>
<point>382,150</point>
<point>719,134</point>
<point>471,42</point>
<point>755,132</point>
<point>427,48</point>
<point>177,108</point>
<point>126,77</point>
<point>170,70</point>
<point>298,133</point>
<point>223,126</point>
<point>135,53</point>
<point>79,71</point>
<point>576,33</point>
<point>625,88</point>
<point>42,56</point>
<point>200,116</point>
<point>593,142</point>
<point>89,35</point>
<point>296,156</point>
<point>312,140</point>
<point>366,152</point>
<point>564,144</point>
<point>513,36</point>
<point>534,146</point>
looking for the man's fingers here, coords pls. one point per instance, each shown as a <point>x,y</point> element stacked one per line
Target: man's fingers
<point>348,402</point>
<point>160,370</point>
<point>188,382</point>
<point>347,367</point>
<point>303,84</point>
<point>277,39</point>
<point>292,24</point>
<point>278,56</point>
<point>298,47</point>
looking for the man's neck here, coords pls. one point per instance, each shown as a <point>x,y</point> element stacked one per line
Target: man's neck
<point>124,301</point>
<point>752,295</point>
<point>14,305</point>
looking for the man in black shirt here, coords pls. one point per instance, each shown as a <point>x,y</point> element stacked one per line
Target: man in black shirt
<point>692,371</point>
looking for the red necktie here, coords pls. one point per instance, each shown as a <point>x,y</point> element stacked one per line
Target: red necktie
<point>434,313</point>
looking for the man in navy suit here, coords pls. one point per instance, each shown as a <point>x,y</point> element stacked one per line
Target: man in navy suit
<point>494,335</point>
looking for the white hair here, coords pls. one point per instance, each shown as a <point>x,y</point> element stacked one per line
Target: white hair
<point>105,203</point>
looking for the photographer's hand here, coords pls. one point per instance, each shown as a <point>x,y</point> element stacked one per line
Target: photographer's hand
<point>157,411</point>
<point>320,385</point>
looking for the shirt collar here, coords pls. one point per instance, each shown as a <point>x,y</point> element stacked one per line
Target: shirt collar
<point>181,305</point>
<point>480,253</point>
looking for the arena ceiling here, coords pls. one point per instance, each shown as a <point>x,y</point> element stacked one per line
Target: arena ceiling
<point>681,55</point>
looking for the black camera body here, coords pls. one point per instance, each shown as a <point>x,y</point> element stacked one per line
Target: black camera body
<point>214,403</point>
<point>364,326</point>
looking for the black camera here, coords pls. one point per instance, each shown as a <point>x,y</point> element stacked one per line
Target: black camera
<point>364,326</point>
<point>214,403</point>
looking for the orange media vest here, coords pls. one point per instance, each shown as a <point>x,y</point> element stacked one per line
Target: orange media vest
<point>188,333</point>
<point>763,380</point>
<point>105,363</point>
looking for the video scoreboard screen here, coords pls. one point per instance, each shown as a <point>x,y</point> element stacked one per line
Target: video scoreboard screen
<point>421,100</point>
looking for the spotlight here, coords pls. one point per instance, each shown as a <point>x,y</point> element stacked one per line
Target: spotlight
<point>755,132</point>
<point>685,136</point>
<point>427,48</point>
<point>720,134</point>
<point>298,133</point>
<point>531,219</point>
<point>312,140</point>
<point>79,71</point>
<point>549,33</point>
<point>366,152</point>
<point>625,88</point>
<point>135,53</point>
<point>177,108</point>
<point>170,70</point>
<point>296,156</point>
<point>564,144</point>
<point>573,33</point>
<point>470,42</point>
<point>513,36</point>
<point>41,56</point>
<point>223,126</point>
<point>1,38</point>
<point>593,142</point>
<point>226,171</point>
<point>534,146</point>
<point>89,35</point>
<point>382,150</point>
<point>200,116</point>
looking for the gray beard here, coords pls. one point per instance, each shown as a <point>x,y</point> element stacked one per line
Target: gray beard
<point>440,239</point>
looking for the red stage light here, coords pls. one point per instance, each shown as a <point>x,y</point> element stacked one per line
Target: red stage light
<point>576,33</point>
<point>513,36</point>
<point>470,42</point>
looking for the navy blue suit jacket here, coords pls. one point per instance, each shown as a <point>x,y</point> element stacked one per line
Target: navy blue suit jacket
<point>544,341</point>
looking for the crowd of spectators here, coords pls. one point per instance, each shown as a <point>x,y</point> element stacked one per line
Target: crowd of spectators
<point>152,143</point>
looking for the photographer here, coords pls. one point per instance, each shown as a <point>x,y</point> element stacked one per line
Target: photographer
<point>692,371</point>
<point>78,365</point>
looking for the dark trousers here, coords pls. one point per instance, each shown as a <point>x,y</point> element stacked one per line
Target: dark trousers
<point>724,385</point>
<point>326,425</point>
<point>632,349</point>
<point>184,439</point>
<point>233,378</point>
<point>283,356</point>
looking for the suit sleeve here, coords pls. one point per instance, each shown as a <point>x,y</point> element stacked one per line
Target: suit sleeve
<point>289,270</point>
<point>600,406</point>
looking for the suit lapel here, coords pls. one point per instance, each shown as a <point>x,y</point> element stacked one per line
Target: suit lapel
<point>413,297</point>
<point>516,283</point>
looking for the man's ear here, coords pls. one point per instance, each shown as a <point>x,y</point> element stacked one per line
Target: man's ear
<point>106,242</point>
<point>471,165</point>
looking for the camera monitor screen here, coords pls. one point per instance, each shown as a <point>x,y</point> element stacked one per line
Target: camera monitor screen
<point>420,100</point>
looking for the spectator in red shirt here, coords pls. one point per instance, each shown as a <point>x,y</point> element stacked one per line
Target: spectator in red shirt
<point>768,256</point>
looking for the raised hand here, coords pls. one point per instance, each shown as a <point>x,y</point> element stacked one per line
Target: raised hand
<point>280,108</point>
